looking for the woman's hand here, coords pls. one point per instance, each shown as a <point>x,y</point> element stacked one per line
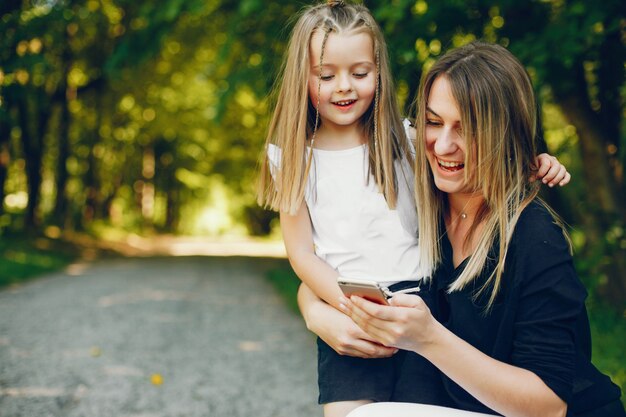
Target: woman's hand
<point>337,329</point>
<point>408,324</point>
<point>550,171</point>
<point>405,324</point>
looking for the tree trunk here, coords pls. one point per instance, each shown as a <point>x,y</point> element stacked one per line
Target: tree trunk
<point>61,203</point>
<point>5,158</point>
<point>61,215</point>
<point>32,143</point>
<point>92,177</point>
<point>172,214</point>
<point>4,162</point>
<point>605,205</point>
<point>610,74</point>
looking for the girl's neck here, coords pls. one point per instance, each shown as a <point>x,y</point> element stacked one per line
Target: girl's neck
<point>333,137</point>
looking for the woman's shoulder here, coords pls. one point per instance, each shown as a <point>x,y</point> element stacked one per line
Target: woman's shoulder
<point>539,241</point>
<point>537,223</point>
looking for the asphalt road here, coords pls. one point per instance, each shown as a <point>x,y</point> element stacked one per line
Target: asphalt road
<point>156,337</point>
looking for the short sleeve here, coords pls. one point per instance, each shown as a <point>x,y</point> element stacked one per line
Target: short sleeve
<point>410,134</point>
<point>274,156</point>
<point>551,300</point>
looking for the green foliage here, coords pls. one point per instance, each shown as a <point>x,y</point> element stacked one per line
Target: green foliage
<point>608,331</point>
<point>150,117</point>
<point>286,283</point>
<point>133,78</point>
<point>23,258</point>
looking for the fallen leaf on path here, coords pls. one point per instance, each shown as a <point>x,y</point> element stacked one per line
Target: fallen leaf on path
<point>156,379</point>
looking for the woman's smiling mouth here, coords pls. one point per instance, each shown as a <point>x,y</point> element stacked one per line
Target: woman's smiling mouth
<point>450,166</point>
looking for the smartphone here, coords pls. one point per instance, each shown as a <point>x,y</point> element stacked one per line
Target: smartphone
<point>370,290</point>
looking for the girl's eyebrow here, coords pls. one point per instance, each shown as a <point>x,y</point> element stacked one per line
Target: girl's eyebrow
<point>428,109</point>
<point>323,66</point>
<point>356,64</point>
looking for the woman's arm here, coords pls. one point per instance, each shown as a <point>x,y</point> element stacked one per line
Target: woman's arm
<point>313,271</point>
<point>408,324</point>
<point>337,329</point>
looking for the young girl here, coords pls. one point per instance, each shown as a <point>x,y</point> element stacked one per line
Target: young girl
<point>508,329</point>
<point>338,167</point>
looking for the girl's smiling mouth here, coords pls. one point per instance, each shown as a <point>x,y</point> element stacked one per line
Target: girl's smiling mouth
<point>344,103</point>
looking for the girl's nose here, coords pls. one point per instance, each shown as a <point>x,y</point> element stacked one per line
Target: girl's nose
<point>343,83</point>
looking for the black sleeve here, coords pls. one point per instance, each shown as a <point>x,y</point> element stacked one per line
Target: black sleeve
<point>551,298</point>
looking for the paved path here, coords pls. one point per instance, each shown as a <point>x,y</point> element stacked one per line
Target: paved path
<point>155,337</point>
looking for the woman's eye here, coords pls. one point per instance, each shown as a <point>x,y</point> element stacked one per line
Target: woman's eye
<point>326,77</point>
<point>430,122</point>
<point>360,74</point>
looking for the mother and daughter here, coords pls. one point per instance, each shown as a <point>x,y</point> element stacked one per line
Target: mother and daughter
<point>488,314</point>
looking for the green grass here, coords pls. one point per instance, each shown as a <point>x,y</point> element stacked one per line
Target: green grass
<point>286,283</point>
<point>23,258</point>
<point>608,328</point>
<point>608,332</point>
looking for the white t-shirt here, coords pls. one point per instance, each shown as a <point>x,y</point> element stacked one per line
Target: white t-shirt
<point>354,230</point>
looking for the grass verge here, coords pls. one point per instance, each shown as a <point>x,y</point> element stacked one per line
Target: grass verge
<point>286,283</point>
<point>22,258</point>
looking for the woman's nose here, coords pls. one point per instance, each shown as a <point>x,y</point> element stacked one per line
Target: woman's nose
<point>444,143</point>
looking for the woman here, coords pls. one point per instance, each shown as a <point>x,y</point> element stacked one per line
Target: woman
<point>508,329</point>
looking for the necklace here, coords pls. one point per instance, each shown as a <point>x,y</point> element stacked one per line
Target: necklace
<point>461,216</point>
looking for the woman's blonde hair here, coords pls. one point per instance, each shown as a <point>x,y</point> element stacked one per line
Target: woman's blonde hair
<point>499,119</point>
<point>295,119</point>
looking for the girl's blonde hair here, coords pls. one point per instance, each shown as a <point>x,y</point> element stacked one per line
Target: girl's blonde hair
<point>295,119</point>
<point>499,119</point>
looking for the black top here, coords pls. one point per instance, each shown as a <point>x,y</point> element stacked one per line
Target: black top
<point>538,321</point>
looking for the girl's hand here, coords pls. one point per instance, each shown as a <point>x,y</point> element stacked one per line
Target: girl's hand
<point>550,171</point>
<point>337,329</point>
<point>406,324</point>
<point>346,338</point>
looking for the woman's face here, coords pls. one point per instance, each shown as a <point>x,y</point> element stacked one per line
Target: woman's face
<point>445,144</point>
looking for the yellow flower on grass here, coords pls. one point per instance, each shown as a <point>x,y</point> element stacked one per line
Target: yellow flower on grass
<point>156,379</point>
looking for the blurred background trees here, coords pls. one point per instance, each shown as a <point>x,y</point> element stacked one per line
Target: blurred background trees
<point>121,116</point>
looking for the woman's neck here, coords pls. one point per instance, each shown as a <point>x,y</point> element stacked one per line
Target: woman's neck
<point>462,211</point>
<point>334,137</point>
<point>464,206</point>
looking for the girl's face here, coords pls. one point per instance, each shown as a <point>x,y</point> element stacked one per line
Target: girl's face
<point>445,144</point>
<point>348,77</point>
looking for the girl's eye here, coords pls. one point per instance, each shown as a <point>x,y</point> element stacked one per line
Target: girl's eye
<point>430,122</point>
<point>326,77</point>
<point>360,74</point>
